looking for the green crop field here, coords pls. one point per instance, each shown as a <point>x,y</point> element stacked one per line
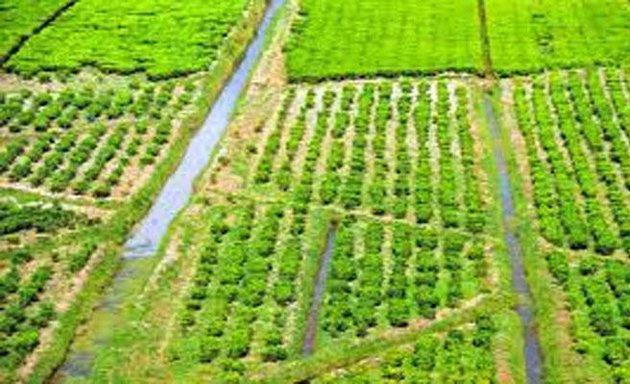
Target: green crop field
<point>388,192</point>
<point>574,127</point>
<point>337,39</point>
<point>19,18</point>
<point>530,36</point>
<point>394,168</point>
<point>163,38</point>
<point>334,39</point>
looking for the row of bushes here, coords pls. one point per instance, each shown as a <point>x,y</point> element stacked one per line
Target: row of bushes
<point>599,300</point>
<point>45,109</point>
<point>461,355</point>
<point>284,176</point>
<point>18,217</point>
<point>23,314</point>
<point>351,194</point>
<point>332,178</point>
<point>424,175</point>
<point>377,192</point>
<point>448,186</point>
<point>264,168</point>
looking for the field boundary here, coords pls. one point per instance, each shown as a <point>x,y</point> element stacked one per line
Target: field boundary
<point>485,39</point>
<point>23,39</point>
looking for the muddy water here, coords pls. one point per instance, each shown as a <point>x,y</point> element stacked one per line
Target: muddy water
<point>318,292</point>
<point>146,238</point>
<point>524,309</point>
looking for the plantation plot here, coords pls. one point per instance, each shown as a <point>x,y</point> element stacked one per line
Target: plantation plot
<point>36,281</point>
<point>335,39</point>
<point>90,138</point>
<point>574,128</point>
<point>403,151</point>
<point>20,17</point>
<point>162,38</point>
<point>459,355</point>
<point>530,35</point>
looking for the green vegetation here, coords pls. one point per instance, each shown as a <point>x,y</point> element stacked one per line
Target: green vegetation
<point>162,38</point>
<point>529,35</point>
<point>388,147</point>
<point>82,155</point>
<point>20,17</point>
<point>573,125</point>
<point>578,184</point>
<point>346,39</point>
<point>238,303</point>
<point>460,355</point>
<point>339,39</point>
<point>80,140</point>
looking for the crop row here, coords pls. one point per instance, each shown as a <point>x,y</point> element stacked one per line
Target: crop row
<point>16,217</point>
<point>598,294</point>
<point>93,160</point>
<point>459,356</point>
<point>577,173</point>
<point>244,288</point>
<point>377,147</point>
<point>27,111</point>
<point>333,169</point>
<point>385,276</point>
<point>26,303</point>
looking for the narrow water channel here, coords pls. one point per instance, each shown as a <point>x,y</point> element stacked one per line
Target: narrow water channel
<point>318,293</point>
<point>524,309</point>
<point>145,239</point>
<point>177,190</point>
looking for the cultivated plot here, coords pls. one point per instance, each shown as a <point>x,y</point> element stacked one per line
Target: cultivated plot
<point>572,144</point>
<point>336,39</point>
<point>162,38</point>
<point>20,17</point>
<point>97,136</point>
<point>83,152</point>
<point>528,36</point>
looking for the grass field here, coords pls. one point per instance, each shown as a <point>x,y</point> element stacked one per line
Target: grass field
<point>528,36</point>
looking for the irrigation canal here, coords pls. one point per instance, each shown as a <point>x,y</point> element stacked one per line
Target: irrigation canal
<point>318,292</point>
<point>533,360</point>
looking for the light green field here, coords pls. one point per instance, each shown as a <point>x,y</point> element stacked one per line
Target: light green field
<point>368,38</point>
<point>348,39</point>
<point>18,18</point>
<point>529,35</point>
<point>163,38</point>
